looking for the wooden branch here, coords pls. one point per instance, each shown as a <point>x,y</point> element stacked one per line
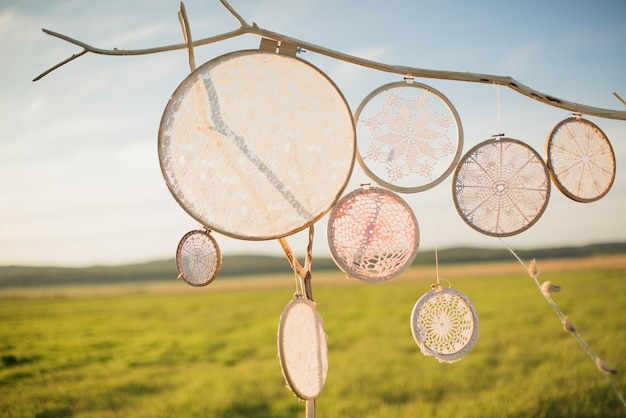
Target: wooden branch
<point>184,24</point>
<point>246,28</point>
<point>242,23</point>
<point>84,51</point>
<point>293,261</point>
<point>303,273</point>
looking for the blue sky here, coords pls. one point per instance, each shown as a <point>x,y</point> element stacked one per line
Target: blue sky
<point>80,182</point>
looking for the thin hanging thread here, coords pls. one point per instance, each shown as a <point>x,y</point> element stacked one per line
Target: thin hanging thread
<point>437,263</point>
<point>498,107</point>
<point>438,283</point>
<point>546,288</point>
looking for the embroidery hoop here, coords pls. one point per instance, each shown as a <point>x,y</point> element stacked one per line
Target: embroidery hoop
<point>243,157</point>
<point>501,187</point>
<point>581,160</point>
<point>444,324</point>
<point>373,234</point>
<point>198,258</point>
<point>302,348</point>
<point>418,130</point>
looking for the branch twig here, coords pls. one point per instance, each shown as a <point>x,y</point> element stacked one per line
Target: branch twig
<point>184,23</point>
<point>84,51</point>
<point>303,273</point>
<point>246,28</point>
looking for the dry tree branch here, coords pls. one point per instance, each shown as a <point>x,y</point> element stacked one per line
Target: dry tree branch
<point>184,24</point>
<point>245,28</point>
<point>84,51</point>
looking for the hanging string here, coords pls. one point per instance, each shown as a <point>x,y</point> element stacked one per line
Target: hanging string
<point>438,283</point>
<point>498,107</point>
<point>547,288</point>
<point>437,263</point>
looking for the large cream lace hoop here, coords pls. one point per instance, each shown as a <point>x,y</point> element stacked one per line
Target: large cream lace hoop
<point>256,145</point>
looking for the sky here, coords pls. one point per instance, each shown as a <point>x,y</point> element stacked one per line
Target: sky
<point>80,182</point>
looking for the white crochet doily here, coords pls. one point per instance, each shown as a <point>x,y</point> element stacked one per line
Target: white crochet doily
<point>580,159</point>
<point>501,187</point>
<point>198,258</point>
<point>444,324</point>
<point>409,136</point>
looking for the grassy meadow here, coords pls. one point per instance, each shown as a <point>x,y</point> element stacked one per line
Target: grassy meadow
<point>169,350</point>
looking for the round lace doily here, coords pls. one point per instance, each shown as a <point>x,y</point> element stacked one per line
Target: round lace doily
<point>373,234</point>
<point>302,348</point>
<point>444,325</point>
<point>580,159</point>
<point>198,258</point>
<point>501,187</point>
<point>409,136</point>
<point>257,145</point>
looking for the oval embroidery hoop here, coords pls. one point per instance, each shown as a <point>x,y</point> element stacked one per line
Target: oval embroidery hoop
<point>580,159</point>
<point>302,348</point>
<point>501,187</point>
<point>198,258</point>
<point>409,136</point>
<point>373,234</point>
<point>444,324</point>
<point>256,145</point>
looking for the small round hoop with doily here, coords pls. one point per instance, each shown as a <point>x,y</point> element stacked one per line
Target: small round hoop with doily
<point>501,187</point>
<point>444,324</point>
<point>373,234</point>
<point>198,258</point>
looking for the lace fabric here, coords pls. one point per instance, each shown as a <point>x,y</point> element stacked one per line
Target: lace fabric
<point>444,324</point>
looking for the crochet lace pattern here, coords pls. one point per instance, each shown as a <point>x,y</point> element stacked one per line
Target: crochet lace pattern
<point>373,234</point>
<point>444,324</point>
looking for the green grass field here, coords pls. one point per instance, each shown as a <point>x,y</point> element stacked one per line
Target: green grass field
<point>169,350</point>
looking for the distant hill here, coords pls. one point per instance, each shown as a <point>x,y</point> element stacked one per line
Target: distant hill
<point>250,265</point>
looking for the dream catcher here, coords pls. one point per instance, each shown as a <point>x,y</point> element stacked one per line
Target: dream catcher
<point>501,187</point>
<point>260,144</point>
<point>444,324</point>
<point>302,348</point>
<point>580,159</point>
<point>256,145</point>
<point>373,234</point>
<point>198,258</point>
<point>409,136</point>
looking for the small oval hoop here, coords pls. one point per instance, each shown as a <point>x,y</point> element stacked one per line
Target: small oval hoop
<point>302,348</point>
